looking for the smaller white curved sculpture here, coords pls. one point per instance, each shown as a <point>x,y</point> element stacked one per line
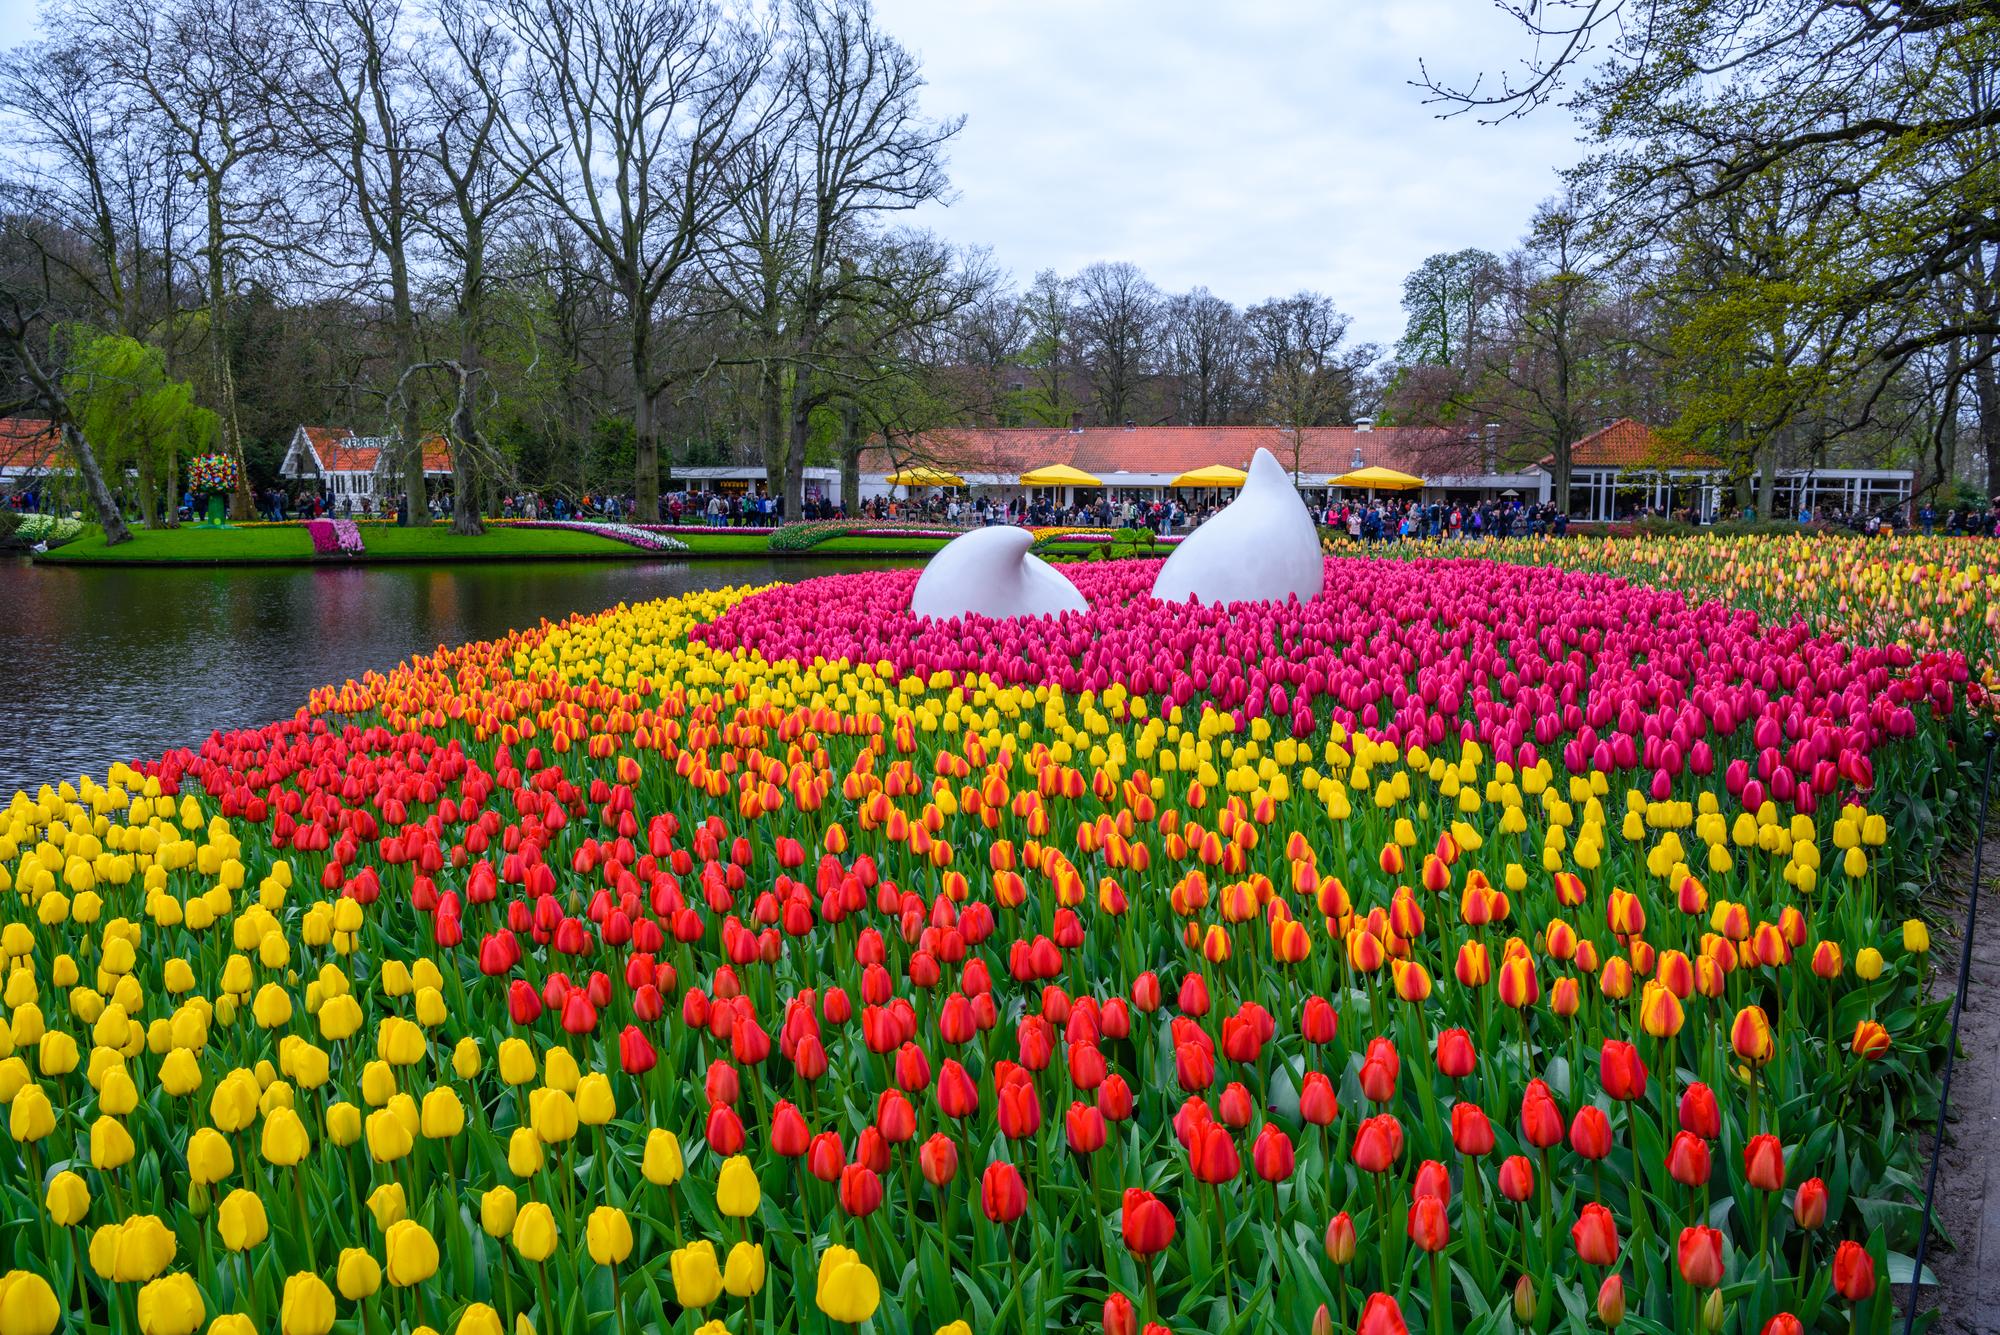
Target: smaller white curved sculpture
<point>988,572</point>
<point>1262,547</point>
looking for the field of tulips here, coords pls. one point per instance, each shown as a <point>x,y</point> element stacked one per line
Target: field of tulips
<point>1480,947</point>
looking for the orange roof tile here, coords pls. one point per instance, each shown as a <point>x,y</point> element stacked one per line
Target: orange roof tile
<point>1106,451</point>
<point>28,444</point>
<point>1629,444</point>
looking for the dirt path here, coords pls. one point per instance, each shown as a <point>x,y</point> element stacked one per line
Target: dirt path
<point>1965,1251</point>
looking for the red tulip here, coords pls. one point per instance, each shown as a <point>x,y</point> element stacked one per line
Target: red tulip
<point>1764,1163</point>
<point>1784,1323</point>
<point>1700,1256</point>
<point>635,1054</point>
<point>1319,1023</point>
<point>789,1134</point>
<point>1541,1119</point>
<point>1379,1071</point>
<point>860,1190</point>
<point>1147,1223</point>
<point>938,1158</point>
<point>826,1157</point>
<point>1471,1131</point>
<point>1119,1316</point>
<point>1377,1143</point>
<point>957,1095</point>
<point>1699,1113</point>
<point>1341,1240</point>
<point>1809,1204</point>
<point>1590,1132</point>
<point>1688,1160</point>
<point>1433,1179</point>
<point>1381,1316</point>
<point>1212,1154</point>
<point>1611,1301</point>
<point>1456,1057</point>
<point>1018,1110</point>
<point>1429,1227</point>
<point>1621,1071</point>
<point>1083,1125</point>
<point>1114,1098</point>
<point>1517,1178</point>
<point>1317,1104</point>
<point>1853,1272</point>
<point>1271,1154</point>
<point>1002,1194</point>
<point>1595,1234</point>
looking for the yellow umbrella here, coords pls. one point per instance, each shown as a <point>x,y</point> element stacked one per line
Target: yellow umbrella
<point>1059,475</point>
<point>920,475</point>
<point>1381,479</point>
<point>1215,475</point>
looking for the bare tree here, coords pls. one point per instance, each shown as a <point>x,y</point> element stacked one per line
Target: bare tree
<point>351,99</point>
<point>1306,371</point>
<point>625,117</point>
<point>208,68</point>
<point>1050,352</point>
<point>1202,345</point>
<point>864,149</point>
<point>1117,316</point>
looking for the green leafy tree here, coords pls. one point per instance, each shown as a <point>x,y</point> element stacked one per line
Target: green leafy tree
<point>134,413</point>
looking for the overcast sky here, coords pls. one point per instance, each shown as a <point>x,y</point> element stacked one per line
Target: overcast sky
<point>1255,146</point>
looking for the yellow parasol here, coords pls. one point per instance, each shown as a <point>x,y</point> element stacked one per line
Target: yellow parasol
<point>1215,475</point>
<point>1381,479</point>
<point>1059,475</point>
<point>920,475</point>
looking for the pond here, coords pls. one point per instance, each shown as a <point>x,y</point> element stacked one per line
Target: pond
<point>103,665</point>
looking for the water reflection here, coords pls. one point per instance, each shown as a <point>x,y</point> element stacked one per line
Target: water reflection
<point>98,666</point>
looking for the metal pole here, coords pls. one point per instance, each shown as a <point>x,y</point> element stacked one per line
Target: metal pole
<point>1951,1048</point>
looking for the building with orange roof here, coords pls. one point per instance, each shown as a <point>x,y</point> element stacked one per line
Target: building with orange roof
<point>360,470</point>
<point>1625,468</point>
<point>30,447</point>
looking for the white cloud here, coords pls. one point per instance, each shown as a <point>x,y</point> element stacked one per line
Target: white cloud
<point>1255,147</point>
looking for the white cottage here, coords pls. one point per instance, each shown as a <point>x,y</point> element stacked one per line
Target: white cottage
<point>353,468</point>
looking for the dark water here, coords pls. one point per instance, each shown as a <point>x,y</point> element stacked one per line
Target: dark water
<point>98,666</point>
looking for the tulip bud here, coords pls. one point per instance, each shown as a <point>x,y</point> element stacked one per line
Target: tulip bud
<point>1322,1323</point>
<point>1340,1239</point>
<point>1611,1300</point>
<point>1713,1311</point>
<point>1524,1300</point>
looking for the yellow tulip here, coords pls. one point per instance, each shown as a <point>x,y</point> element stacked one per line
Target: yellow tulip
<point>343,1124</point>
<point>524,1152</point>
<point>594,1103</point>
<point>743,1274</point>
<point>479,1319</point>
<point>534,1232</point>
<point>1916,936</point>
<point>497,1209</point>
<point>736,1189</point>
<point>662,1164</point>
<point>443,1115</point>
<point>955,1328</point>
<point>697,1277</point>
<point>1868,964</point>
<point>552,1113</point>
<point>517,1061</point>
<point>131,1252</point>
<point>68,1199</point>
<point>232,1323</point>
<point>285,1141</point>
<point>465,1061</point>
<point>847,1289</point>
<point>27,1304</point>
<point>388,1204</point>
<point>171,1306</point>
<point>241,1220</point>
<point>412,1254</point>
<point>110,1144</point>
<point>32,1116</point>
<point>358,1274</point>
<point>388,1139</point>
<point>609,1235</point>
<point>307,1308</point>
<point>180,1073</point>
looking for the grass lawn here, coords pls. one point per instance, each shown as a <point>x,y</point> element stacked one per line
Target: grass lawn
<point>190,545</point>
<point>247,546</point>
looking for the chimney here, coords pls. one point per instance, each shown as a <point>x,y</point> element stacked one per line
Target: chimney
<point>1364,424</point>
<point>1357,459</point>
<point>1129,424</point>
<point>1490,451</point>
<point>1076,421</point>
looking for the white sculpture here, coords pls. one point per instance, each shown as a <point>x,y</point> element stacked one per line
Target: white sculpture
<point>1262,546</point>
<point>988,572</point>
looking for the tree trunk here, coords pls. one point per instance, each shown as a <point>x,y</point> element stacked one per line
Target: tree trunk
<point>1767,481</point>
<point>230,440</point>
<point>1986,389</point>
<point>646,445</point>
<point>795,464</point>
<point>108,514</point>
<point>771,427</point>
<point>149,499</point>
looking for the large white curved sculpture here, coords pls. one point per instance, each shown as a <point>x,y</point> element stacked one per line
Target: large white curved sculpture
<point>1262,546</point>
<point>989,572</point>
